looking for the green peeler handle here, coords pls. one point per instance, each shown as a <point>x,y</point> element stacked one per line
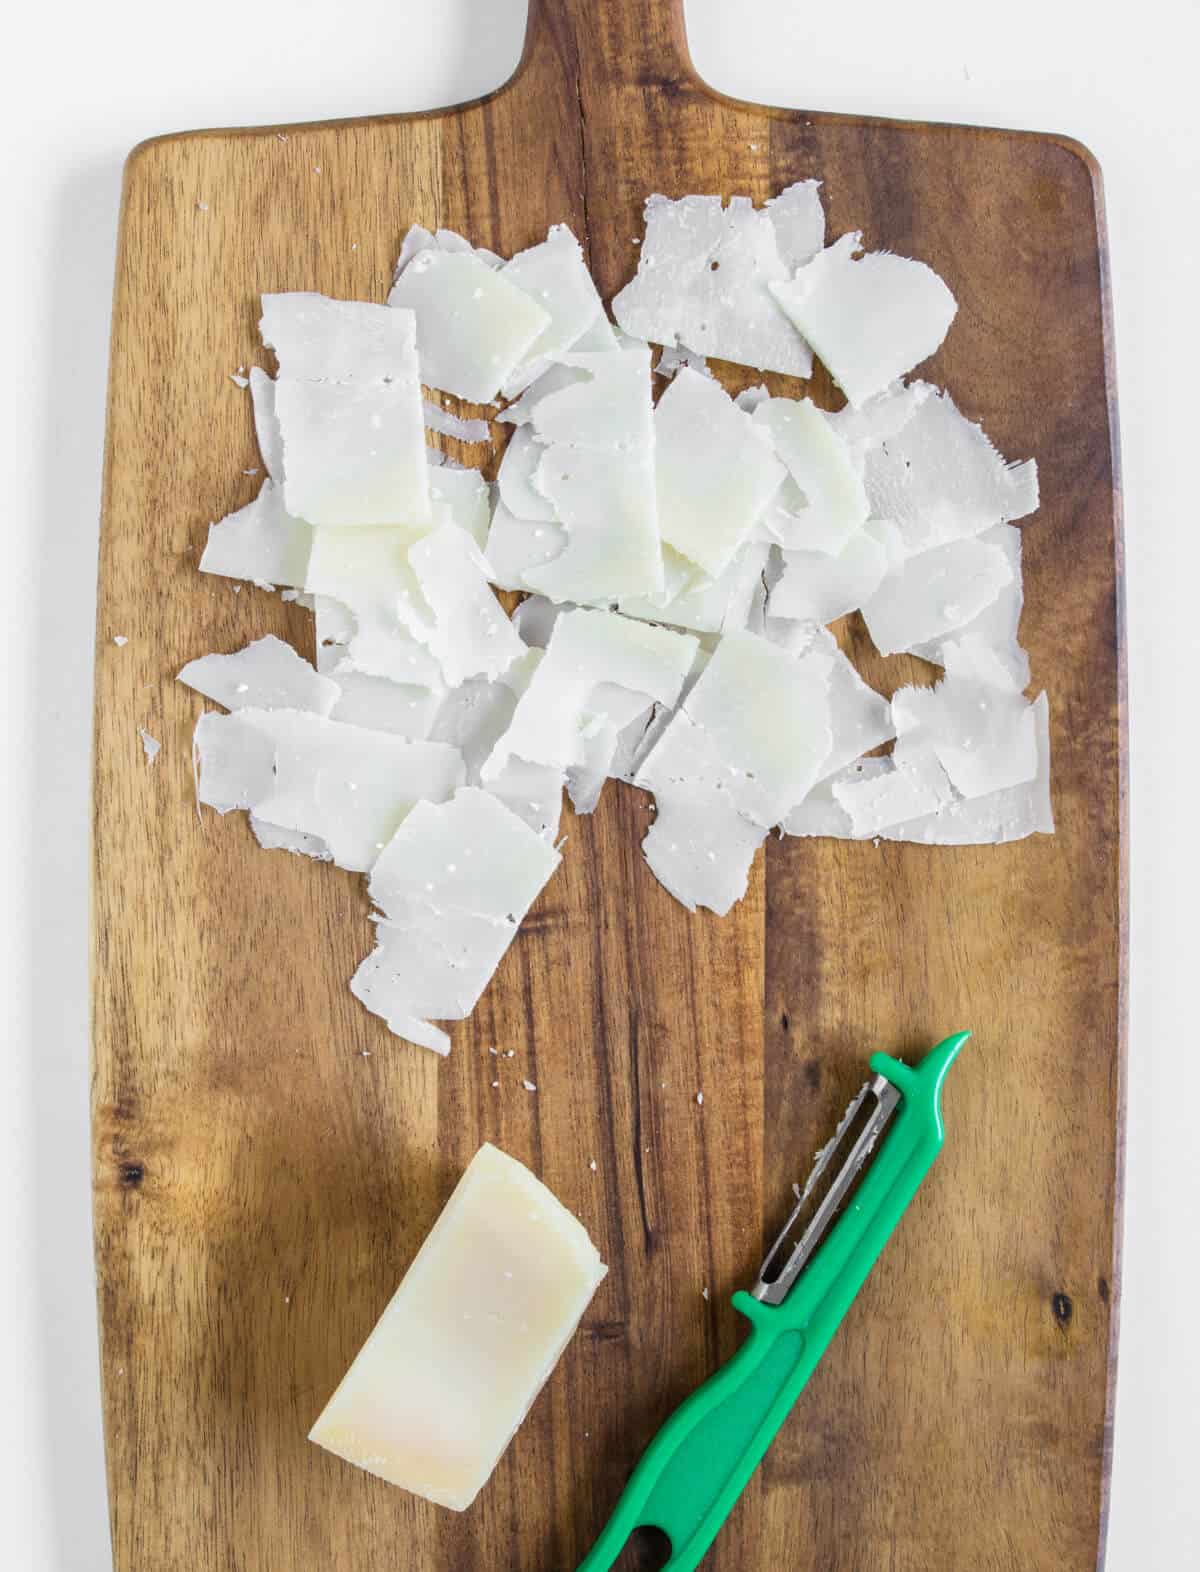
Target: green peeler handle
<point>699,1462</point>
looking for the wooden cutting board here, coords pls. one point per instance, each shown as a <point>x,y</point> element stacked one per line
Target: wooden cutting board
<point>267,1158</point>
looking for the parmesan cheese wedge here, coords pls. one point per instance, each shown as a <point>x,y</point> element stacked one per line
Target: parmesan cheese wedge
<point>469,1339</point>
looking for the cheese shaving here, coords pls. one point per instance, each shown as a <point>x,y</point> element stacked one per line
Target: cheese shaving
<point>348,403</point>
<point>715,473</point>
<point>453,885</point>
<point>266,675</point>
<point>704,273</point>
<point>870,318</point>
<point>474,327</point>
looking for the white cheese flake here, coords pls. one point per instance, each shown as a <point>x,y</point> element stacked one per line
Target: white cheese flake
<point>597,475</point>
<point>515,546</point>
<point>555,275</point>
<point>725,769</point>
<point>348,402</point>
<point>914,785</point>
<point>266,423</point>
<point>715,472</point>
<point>272,837</point>
<point>468,633</point>
<point>704,273</point>
<point>984,736</point>
<point>261,542</point>
<point>870,318</point>
<point>820,464</point>
<point>701,604</point>
<point>939,478</point>
<point>935,593</point>
<point>860,719</point>
<point>454,884</point>
<point>1010,814</point>
<point>817,587</point>
<point>297,771</point>
<point>591,656</point>
<point>461,496</point>
<point>766,713</point>
<point>997,624</point>
<point>384,625</point>
<point>265,675</point>
<point>515,478</point>
<point>474,327</point>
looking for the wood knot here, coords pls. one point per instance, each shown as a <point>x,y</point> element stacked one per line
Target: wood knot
<point>1103,1290</point>
<point>606,1331</point>
<point>785,1021</point>
<point>132,1175</point>
<point>1063,1309</point>
<point>811,1070</point>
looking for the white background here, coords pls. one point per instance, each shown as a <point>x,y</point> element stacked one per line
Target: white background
<point>85,83</point>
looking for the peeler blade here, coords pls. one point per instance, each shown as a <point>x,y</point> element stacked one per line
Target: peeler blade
<point>785,1260</point>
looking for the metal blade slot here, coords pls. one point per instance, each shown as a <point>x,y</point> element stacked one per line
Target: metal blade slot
<point>856,1135</point>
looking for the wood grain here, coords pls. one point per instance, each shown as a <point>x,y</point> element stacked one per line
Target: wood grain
<point>267,1158</point>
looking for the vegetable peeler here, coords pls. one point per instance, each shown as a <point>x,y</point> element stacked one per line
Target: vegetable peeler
<point>699,1462</point>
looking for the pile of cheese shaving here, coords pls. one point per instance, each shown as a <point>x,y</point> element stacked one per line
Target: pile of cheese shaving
<point>681,557</point>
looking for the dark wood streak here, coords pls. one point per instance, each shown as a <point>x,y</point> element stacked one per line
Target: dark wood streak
<point>286,1181</point>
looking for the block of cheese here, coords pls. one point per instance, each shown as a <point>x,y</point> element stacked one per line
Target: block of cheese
<point>478,1323</point>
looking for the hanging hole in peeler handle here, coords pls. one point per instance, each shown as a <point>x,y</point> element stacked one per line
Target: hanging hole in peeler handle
<point>646,1550</point>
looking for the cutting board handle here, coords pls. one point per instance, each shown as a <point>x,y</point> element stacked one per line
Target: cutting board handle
<point>640,42</point>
